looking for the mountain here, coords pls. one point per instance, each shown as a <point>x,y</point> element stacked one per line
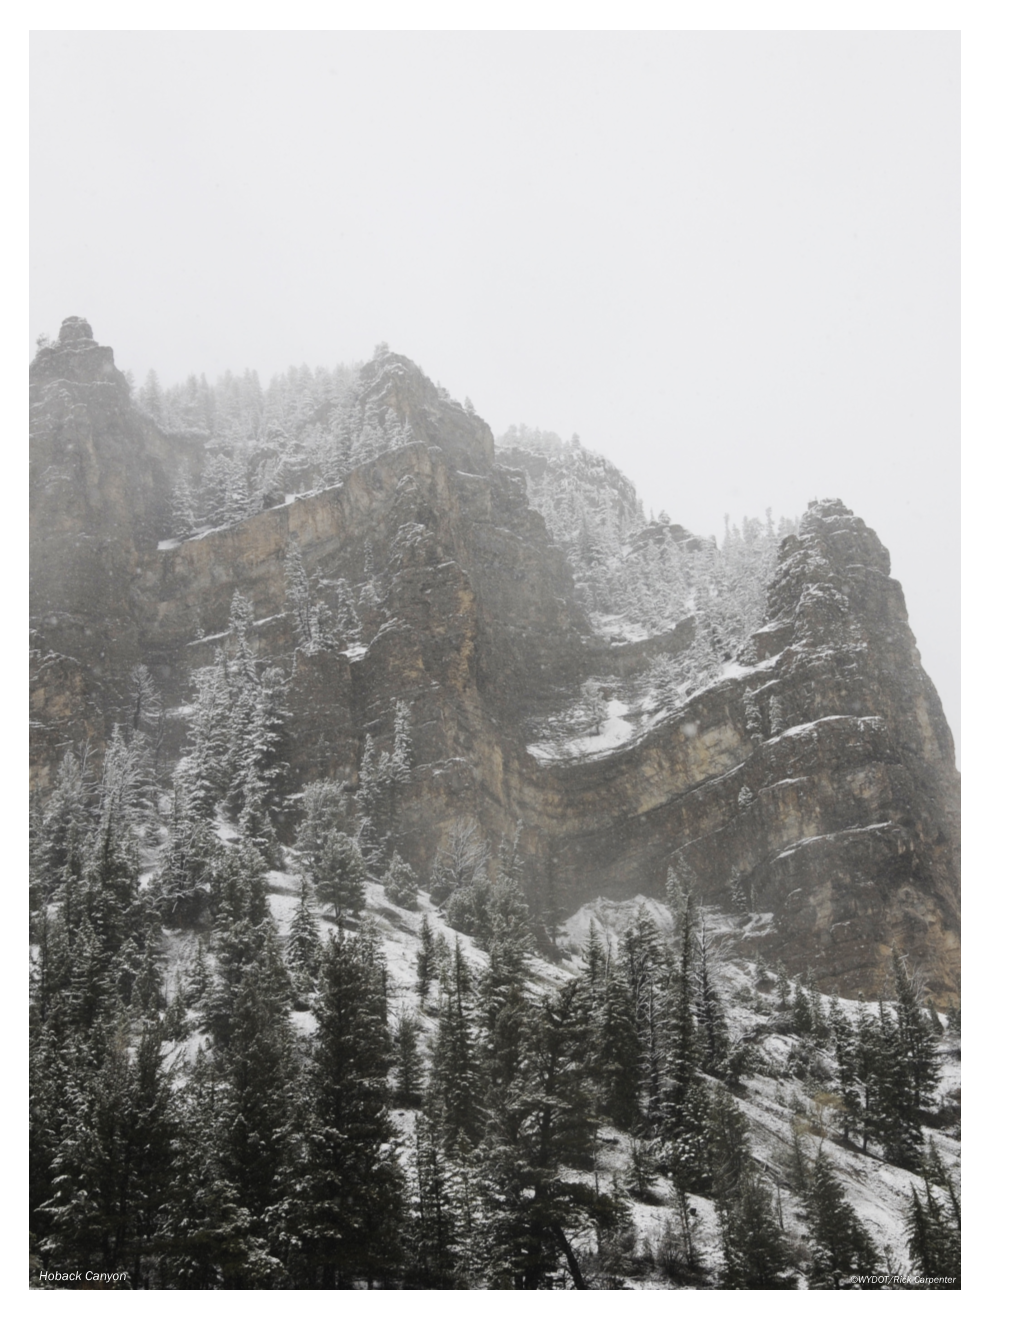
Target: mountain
<point>422,844</point>
<point>801,770</point>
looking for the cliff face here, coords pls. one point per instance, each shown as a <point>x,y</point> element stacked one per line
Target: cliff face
<point>99,474</point>
<point>813,786</point>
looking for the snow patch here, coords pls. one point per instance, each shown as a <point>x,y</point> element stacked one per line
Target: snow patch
<point>611,920</point>
<point>618,629</point>
<point>840,834</point>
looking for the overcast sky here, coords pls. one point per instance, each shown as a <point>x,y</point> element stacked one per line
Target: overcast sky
<point>729,261</point>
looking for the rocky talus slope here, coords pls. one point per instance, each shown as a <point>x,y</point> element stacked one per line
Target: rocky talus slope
<point>845,841</point>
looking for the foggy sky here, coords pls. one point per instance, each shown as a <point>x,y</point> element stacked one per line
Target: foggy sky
<point>729,261</point>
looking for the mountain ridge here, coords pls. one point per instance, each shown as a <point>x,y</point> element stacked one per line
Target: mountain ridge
<point>814,780</point>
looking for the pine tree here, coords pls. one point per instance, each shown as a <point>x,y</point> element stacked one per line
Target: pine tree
<point>841,1033</point>
<point>337,872</point>
<point>112,1165</point>
<point>304,948</point>
<point>643,958</point>
<point>819,1021</point>
<point>840,1245</point>
<point>541,1123</point>
<point>182,509</point>
<point>917,1045</point>
<point>752,717</point>
<point>727,1145</point>
<point>400,884</point>
<point>350,1208</point>
<point>803,1019</point>
<point>258,1064</point>
<point>934,1226</point>
<point>870,1066</point>
<point>203,774</point>
<point>257,733</point>
<point>714,1037</point>
<point>299,598</point>
<point>684,1101</point>
<point>211,1239</point>
<point>182,885</point>
<point>683,1053</point>
<point>66,824</point>
<point>454,1082</point>
<point>244,934</point>
<point>906,1075</point>
<point>436,1226</point>
<point>677,897</point>
<point>367,802</point>
<point>150,398</point>
<point>425,960</point>
<point>755,1252</point>
<point>348,625</point>
<point>197,976</point>
<point>409,1069</point>
<point>400,760</point>
<point>616,1070</point>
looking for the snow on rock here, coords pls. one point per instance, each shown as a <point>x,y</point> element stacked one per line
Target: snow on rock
<point>615,730</point>
<point>617,628</point>
<point>818,838</point>
<point>611,920</point>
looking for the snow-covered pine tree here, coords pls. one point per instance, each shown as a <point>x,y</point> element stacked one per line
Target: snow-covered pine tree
<point>752,717</point>
<point>400,885</point>
<point>182,509</point>
<point>350,1212</point>
<point>643,960</point>
<point>299,597</point>
<point>683,1101</point>
<point>713,1034</point>
<point>803,1018</point>
<point>840,1245</point>
<point>257,1106</point>
<point>616,1061</point>
<point>112,1166</point>
<point>841,1034</point>
<point>756,1253</point>
<point>454,1079</point>
<point>425,961</point>
<point>904,1060</point>
<point>400,758</point>
<point>304,948</point>
<point>150,398</point>
<point>407,1091</point>
<point>934,1225</point>
<point>336,871</point>
<point>436,1227</point>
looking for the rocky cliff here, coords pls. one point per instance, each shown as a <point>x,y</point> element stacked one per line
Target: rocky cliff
<point>812,785</point>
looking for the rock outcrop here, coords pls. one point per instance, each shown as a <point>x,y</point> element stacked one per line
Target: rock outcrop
<point>814,786</point>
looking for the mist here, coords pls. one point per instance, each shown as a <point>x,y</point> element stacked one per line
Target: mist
<point>728,261</point>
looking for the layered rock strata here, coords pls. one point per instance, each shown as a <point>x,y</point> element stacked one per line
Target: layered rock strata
<point>815,786</point>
